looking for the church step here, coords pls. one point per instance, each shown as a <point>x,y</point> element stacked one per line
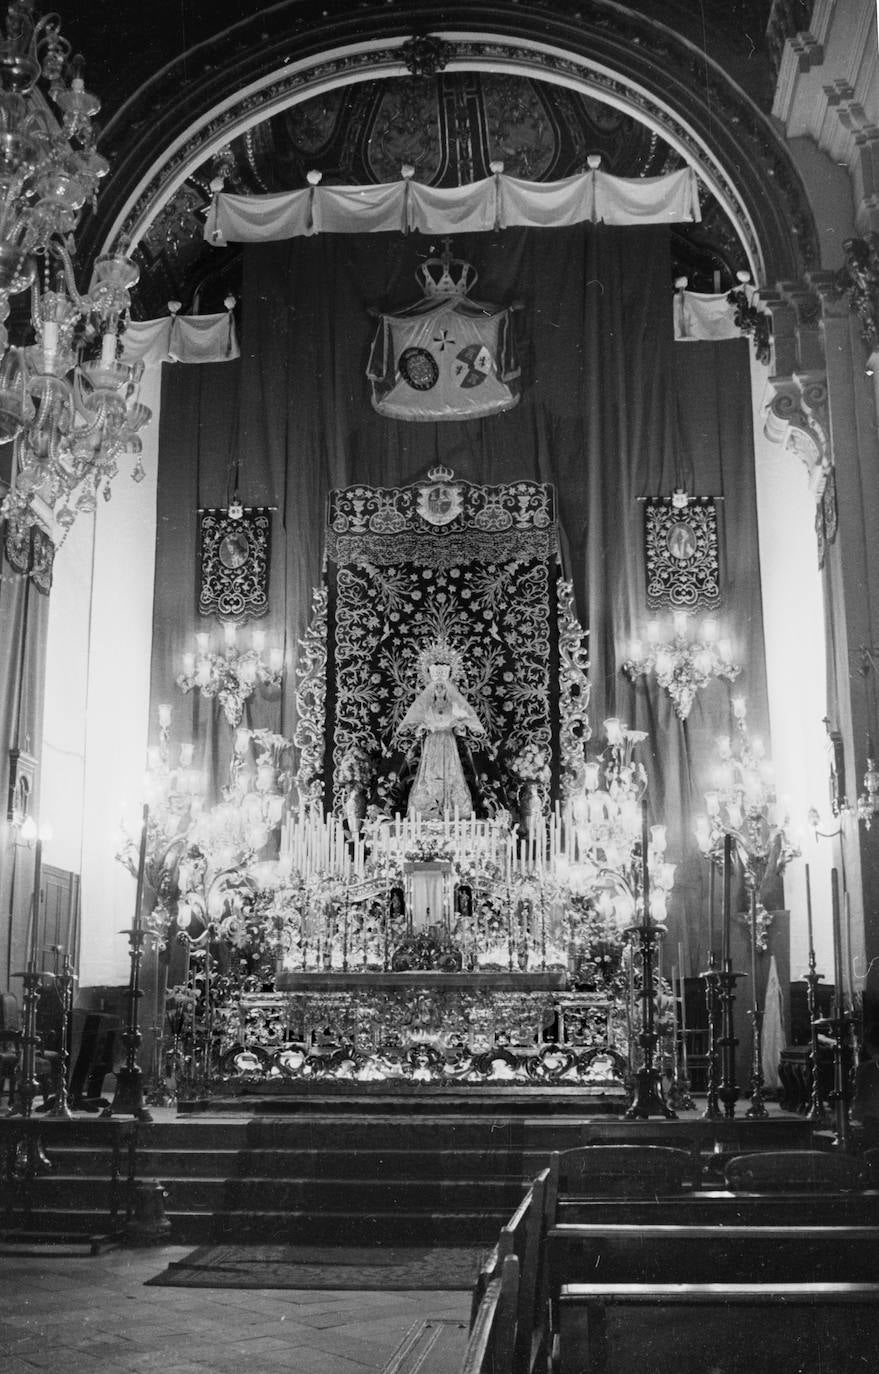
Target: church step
<point>331,1164</point>
<point>285,1195</point>
<point>293,1099</point>
<point>294,1228</point>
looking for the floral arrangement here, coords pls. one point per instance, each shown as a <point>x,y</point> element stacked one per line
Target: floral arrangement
<point>355,768</point>
<point>531,764</point>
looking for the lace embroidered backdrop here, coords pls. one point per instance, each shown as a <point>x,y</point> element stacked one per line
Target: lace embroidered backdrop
<point>443,559</point>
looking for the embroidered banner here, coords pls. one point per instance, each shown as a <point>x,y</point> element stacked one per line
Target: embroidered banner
<point>446,357</point>
<point>235,547</point>
<point>442,521</point>
<point>683,563</point>
<point>442,560</point>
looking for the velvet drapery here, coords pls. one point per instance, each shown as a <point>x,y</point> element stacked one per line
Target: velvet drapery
<point>612,410</point>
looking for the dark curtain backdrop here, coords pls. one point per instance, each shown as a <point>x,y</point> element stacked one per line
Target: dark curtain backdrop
<point>24,623</point>
<point>612,410</point>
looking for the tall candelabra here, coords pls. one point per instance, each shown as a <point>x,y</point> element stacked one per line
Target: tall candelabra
<point>232,675</point>
<point>743,809</point>
<point>128,1097</point>
<point>648,1099</point>
<point>816,1110</point>
<point>30,1158</point>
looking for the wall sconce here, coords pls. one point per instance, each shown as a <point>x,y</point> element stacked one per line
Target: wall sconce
<point>681,663</point>
<point>233,675</point>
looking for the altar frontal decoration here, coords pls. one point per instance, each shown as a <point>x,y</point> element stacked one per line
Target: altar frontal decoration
<point>682,556</point>
<point>445,357</point>
<point>472,568</point>
<point>234,554</point>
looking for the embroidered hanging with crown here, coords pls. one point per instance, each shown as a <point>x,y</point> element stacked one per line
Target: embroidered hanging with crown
<point>446,357</point>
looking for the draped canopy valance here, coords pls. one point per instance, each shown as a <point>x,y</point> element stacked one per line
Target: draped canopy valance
<point>497,202</point>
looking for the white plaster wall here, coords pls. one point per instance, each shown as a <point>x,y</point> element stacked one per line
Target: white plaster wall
<point>793,618</point>
<point>97,701</point>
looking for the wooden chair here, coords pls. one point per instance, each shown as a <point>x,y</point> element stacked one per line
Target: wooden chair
<point>492,1338</point>
<point>626,1171</point>
<point>796,1171</point>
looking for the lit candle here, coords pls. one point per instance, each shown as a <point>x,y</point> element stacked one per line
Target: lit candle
<point>710,909</point>
<point>229,635</point>
<point>276,660</point>
<point>259,641</point>
<point>165,716</point>
<point>809,912</point>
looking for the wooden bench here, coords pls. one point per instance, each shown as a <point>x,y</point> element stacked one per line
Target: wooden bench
<point>524,1236</point>
<point>694,1327</point>
<point>730,1254</point>
<point>623,1171</point>
<point>493,1332</point>
<point>721,1207</point>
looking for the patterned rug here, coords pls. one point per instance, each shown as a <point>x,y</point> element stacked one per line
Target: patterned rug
<point>446,1269</point>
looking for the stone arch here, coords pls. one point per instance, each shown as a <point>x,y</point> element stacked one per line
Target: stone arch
<point>282,55</point>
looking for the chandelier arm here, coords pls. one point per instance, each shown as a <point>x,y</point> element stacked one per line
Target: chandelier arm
<point>59,248</point>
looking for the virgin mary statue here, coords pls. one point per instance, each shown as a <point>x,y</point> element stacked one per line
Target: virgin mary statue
<point>438,714</point>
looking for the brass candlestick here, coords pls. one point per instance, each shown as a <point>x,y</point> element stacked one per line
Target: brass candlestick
<point>64,987</point>
<point>648,1099</point>
<point>129,1098</point>
<point>729,1088</point>
<point>711,979</point>
<point>757,1110</point>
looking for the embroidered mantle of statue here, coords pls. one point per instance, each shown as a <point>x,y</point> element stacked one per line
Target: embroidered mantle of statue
<point>437,716</point>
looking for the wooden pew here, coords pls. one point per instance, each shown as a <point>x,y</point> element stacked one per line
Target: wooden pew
<point>524,1236</point>
<point>610,1328</point>
<point>623,1171</point>
<point>729,1254</point>
<point>493,1333</point>
<point>721,1207</point>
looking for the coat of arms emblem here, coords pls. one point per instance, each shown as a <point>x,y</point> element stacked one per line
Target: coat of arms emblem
<point>439,500</point>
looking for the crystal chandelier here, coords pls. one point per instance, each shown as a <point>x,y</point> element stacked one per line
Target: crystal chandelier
<point>232,675</point>
<point>66,400</point>
<point>744,805</point>
<point>681,663</point>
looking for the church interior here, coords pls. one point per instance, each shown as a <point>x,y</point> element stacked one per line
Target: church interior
<point>439,678</point>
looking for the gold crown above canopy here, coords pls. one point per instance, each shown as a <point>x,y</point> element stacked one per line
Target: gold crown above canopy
<point>446,275</point>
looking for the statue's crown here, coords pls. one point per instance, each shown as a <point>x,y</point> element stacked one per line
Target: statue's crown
<point>445,275</point>
<point>440,651</point>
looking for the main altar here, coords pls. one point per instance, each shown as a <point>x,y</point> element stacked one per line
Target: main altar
<point>436,880</point>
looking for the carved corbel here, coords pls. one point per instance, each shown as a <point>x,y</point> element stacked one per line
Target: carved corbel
<point>797,418</point>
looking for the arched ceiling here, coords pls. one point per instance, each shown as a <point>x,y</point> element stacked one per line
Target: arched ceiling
<point>450,127</point>
<point>298,84</point>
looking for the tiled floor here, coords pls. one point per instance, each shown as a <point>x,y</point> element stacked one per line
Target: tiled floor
<point>94,1314</point>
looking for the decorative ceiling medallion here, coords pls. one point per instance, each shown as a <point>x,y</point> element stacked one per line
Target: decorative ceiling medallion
<point>235,551</point>
<point>682,555</point>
